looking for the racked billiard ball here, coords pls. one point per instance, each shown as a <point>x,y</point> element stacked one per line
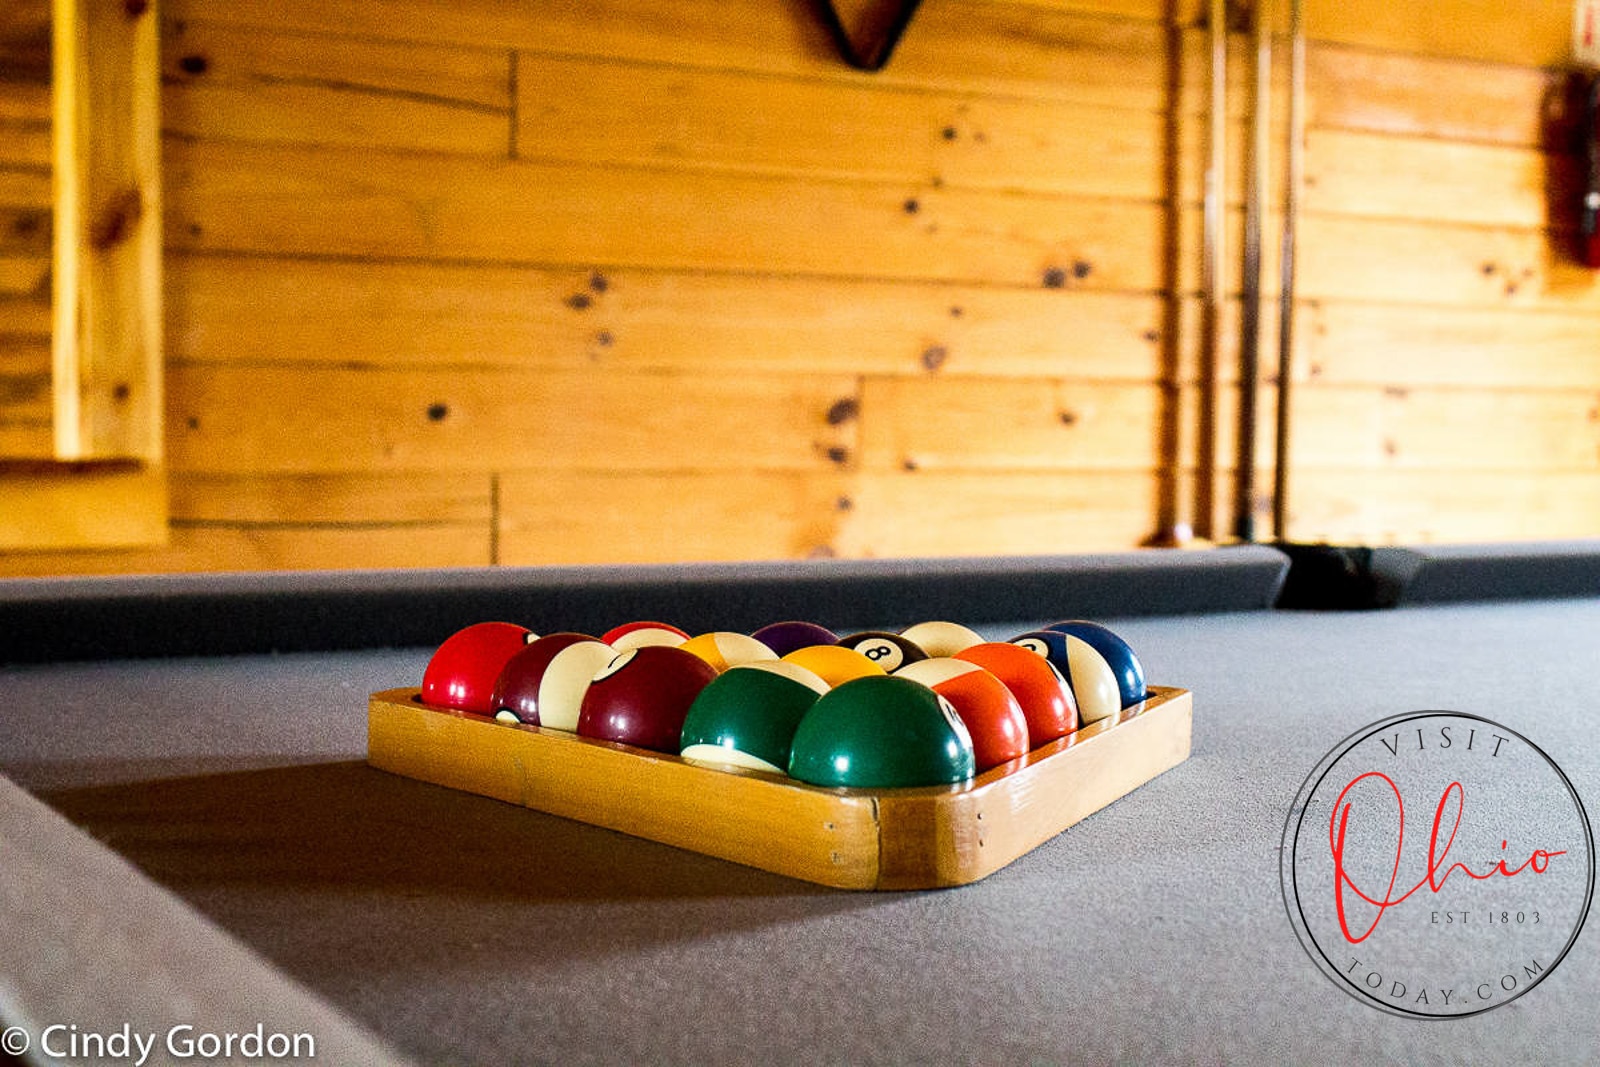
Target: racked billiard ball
<point>938,638</point>
<point>1046,699</point>
<point>889,651</point>
<point>462,671</point>
<point>748,715</point>
<point>992,715</point>
<point>723,649</point>
<point>786,637</point>
<point>643,696</point>
<point>639,634</point>
<point>834,663</point>
<point>1093,685</point>
<point>881,732</point>
<point>1117,653</point>
<point>543,685</point>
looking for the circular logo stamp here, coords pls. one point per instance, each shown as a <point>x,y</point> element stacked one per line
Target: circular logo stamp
<point>1437,864</point>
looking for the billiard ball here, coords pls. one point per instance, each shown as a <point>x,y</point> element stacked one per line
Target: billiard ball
<point>1117,653</point>
<point>1094,687</point>
<point>642,697</point>
<point>834,664</point>
<point>639,634</point>
<point>543,684</point>
<point>747,717</point>
<point>941,638</point>
<point>992,715</point>
<point>463,669</point>
<point>889,651</point>
<point>786,637</point>
<point>881,732</point>
<point>722,649</point>
<point>1046,699</point>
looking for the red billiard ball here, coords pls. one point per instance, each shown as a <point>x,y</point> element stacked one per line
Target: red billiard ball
<point>543,685</point>
<point>643,696</point>
<point>1044,694</point>
<point>639,634</point>
<point>992,715</point>
<point>462,671</point>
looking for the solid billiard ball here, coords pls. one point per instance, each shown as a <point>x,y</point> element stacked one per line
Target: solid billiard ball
<point>992,715</point>
<point>747,717</point>
<point>1044,694</point>
<point>786,637</point>
<point>1117,653</point>
<point>543,684</point>
<point>639,634</point>
<point>722,649</point>
<point>941,638</point>
<point>1094,687</point>
<point>881,732</point>
<point>834,664</point>
<point>643,696</point>
<point>889,651</point>
<point>463,669</point>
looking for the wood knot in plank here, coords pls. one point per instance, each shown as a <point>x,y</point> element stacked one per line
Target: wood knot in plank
<point>117,222</point>
<point>843,410</point>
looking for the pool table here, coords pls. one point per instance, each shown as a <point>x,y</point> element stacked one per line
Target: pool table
<point>190,836</point>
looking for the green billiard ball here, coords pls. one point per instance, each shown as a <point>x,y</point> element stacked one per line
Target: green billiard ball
<point>748,716</point>
<point>881,732</point>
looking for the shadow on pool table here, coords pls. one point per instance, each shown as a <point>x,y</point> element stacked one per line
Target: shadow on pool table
<point>346,827</point>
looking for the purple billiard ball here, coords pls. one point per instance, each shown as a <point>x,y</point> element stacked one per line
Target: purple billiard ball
<point>786,637</point>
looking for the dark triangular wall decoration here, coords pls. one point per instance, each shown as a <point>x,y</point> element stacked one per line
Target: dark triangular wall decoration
<point>867,30</point>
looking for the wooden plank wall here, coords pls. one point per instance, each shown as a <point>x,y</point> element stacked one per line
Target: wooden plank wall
<point>664,280</point>
<point>25,231</point>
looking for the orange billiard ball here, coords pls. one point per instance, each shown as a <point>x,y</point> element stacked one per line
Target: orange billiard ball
<point>992,715</point>
<point>1044,694</point>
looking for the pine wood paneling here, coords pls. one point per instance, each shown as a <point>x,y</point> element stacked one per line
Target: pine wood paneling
<point>1484,348</point>
<point>899,513</point>
<point>225,82</point>
<point>324,202</point>
<point>574,516</point>
<point>339,420</point>
<point>224,309</point>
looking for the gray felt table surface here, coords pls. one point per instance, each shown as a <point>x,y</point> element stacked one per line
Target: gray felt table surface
<point>467,931</point>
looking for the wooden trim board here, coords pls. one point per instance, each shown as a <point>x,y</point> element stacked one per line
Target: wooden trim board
<point>844,838</point>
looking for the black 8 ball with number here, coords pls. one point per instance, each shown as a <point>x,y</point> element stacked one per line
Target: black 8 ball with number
<point>889,651</point>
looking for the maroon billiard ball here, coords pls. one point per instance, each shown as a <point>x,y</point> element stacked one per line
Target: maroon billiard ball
<point>643,697</point>
<point>543,685</point>
<point>462,672</point>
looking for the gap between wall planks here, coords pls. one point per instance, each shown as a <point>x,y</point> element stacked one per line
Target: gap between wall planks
<point>1472,300</point>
